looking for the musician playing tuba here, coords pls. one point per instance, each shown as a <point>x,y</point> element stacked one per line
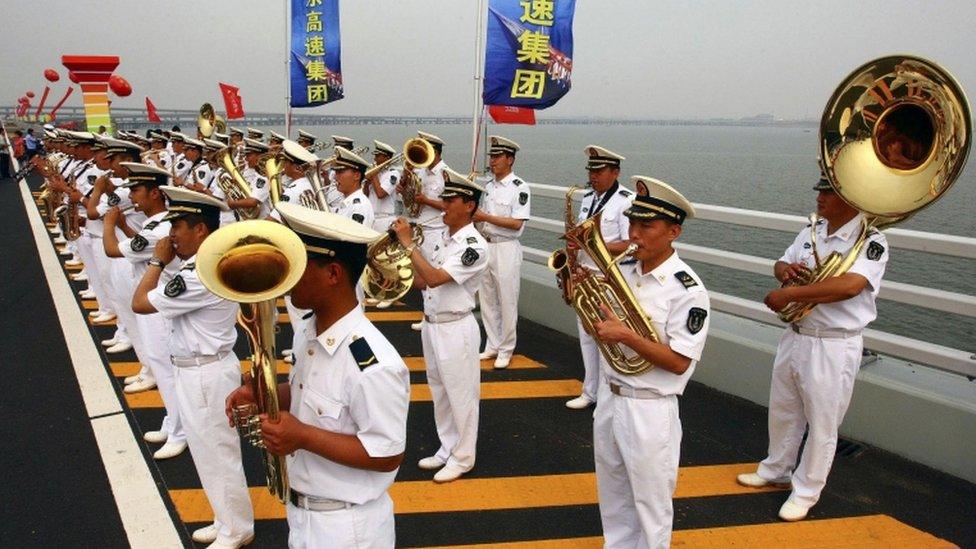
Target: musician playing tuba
<point>343,423</point>
<point>635,501</point>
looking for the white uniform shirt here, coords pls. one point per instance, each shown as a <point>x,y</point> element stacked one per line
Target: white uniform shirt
<point>349,379</point>
<point>164,158</point>
<point>356,207</point>
<point>203,175</point>
<point>673,297</point>
<point>857,312</point>
<point>291,192</point>
<point>465,257</point>
<point>202,323</point>
<point>182,168</point>
<point>85,183</point>
<point>385,207</point>
<point>432,180</point>
<point>259,190</point>
<point>614,225</point>
<point>509,197</point>
<point>228,217</point>
<point>140,248</point>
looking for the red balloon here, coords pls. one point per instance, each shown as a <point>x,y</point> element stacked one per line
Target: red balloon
<point>30,94</point>
<point>73,77</point>
<point>119,85</point>
<point>52,75</point>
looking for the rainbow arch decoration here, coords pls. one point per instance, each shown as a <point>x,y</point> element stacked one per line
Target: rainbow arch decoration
<point>92,73</point>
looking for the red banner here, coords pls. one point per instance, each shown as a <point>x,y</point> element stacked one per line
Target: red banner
<point>151,113</point>
<point>232,101</point>
<point>502,114</point>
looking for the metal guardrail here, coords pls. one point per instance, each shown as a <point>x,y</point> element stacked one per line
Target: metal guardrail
<point>914,350</point>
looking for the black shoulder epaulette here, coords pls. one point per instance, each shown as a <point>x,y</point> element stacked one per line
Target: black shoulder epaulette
<point>308,315</point>
<point>355,200</point>
<point>472,240</point>
<point>686,279</point>
<point>625,192</point>
<point>362,353</point>
<point>588,193</point>
<point>189,267</point>
<point>517,181</point>
<point>630,261</point>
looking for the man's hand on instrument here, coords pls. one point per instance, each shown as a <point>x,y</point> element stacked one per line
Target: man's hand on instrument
<point>610,329</point>
<point>777,299</point>
<point>403,230</point>
<point>284,436</point>
<point>241,396</point>
<point>112,216</point>
<point>165,251</point>
<point>793,271</point>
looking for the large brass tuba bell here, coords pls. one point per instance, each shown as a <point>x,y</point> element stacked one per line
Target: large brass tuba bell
<point>893,138</point>
<point>209,121</point>
<point>252,263</point>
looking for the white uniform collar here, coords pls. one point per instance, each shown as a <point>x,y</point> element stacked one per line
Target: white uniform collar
<point>462,233</point>
<point>846,231</point>
<point>664,271</point>
<point>505,180</point>
<point>334,335</point>
<point>358,193</point>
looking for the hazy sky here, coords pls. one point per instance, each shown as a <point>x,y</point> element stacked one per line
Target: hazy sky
<point>632,58</point>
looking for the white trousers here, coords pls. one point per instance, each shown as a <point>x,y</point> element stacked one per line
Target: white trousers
<point>454,377</point>
<point>366,526</point>
<point>111,292</point>
<point>85,251</point>
<point>214,445</point>
<point>154,337</point>
<point>813,379</point>
<point>636,446</point>
<point>591,362</point>
<point>498,296</point>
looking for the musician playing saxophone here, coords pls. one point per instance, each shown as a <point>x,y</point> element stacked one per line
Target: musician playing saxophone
<point>636,427</point>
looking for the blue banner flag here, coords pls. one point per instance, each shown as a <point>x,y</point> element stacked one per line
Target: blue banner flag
<point>316,72</point>
<point>529,52</point>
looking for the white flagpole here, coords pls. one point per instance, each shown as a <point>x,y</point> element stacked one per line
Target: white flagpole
<point>287,69</point>
<point>478,84</point>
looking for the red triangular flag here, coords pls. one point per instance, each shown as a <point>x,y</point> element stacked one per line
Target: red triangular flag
<point>232,101</point>
<point>151,113</point>
<point>503,114</point>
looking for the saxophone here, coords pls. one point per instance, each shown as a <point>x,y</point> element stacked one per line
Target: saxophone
<point>565,261</point>
<point>608,287</point>
<point>234,185</point>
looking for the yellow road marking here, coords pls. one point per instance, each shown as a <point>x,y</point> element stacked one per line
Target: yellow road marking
<point>480,494</point>
<point>872,531</point>
<point>73,267</point>
<point>89,304</point>
<point>420,392</point>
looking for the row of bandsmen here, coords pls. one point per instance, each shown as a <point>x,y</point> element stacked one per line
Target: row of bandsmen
<point>345,442</point>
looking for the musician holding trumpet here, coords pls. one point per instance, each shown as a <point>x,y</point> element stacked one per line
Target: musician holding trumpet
<point>636,426</point>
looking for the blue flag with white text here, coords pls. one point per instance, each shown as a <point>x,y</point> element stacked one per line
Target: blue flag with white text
<point>316,72</point>
<point>528,52</point>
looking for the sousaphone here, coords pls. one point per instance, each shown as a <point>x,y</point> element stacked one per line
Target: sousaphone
<point>893,138</point>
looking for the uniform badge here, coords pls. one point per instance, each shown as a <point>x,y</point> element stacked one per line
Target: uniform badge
<point>355,200</point>
<point>517,181</point>
<point>201,174</point>
<point>686,280</point>
<point>114,199</point>
<point>151,225</point>
<point>358,218</point>
<point>138,243</point>
<point>285,198</point>
<point>469,256</point>
<point>806,245</point>
<point>91,179</point>
<point>260,182</point>
<point>472,240</point>
<point>393,179</point>
<point>362,353</point>
<point>175,287</point>
<point>696,319</point>
<point>179,165</point>
<point>523,198</point>
<point>875,251</point>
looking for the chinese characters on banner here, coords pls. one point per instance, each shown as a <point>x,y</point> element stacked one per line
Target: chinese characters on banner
<point>316,74</point>
<point>529,52</point>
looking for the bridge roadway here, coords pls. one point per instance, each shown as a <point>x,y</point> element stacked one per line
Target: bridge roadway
<point>533,485</point>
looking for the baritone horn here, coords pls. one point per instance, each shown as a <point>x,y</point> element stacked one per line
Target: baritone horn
<point>894,137</point>
<point>388,275</point>
<point>417,153</point>
<point>209,121</point>
<point>253,263</point>
<point>234,185</point>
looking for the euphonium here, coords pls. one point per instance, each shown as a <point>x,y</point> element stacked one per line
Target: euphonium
<point>209,121</point>
<point>417,153</point>
<point>564,261</point>
<point>388,275</point>
<point>590,290</point>
<point>253,262</point>
<point>234,185</point>
<point>893,138</point>
<point>269,165</point>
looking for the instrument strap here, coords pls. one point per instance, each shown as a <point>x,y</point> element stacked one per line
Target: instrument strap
<point>606,198</point>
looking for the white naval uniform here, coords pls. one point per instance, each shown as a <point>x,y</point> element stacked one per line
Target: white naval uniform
<point>291,192</point>
<point>202,329</point>
<point>451,340</point>
<point>349,379</point>
<point>356,207</point>
<point>614,226</point>
<point>637,434</point>
<point>499,292</point>
<point>226,217</point>
<point>181,169</point>
<point>165,159</point>
<point>154,328</point>
<point>813,377</point>
<point>90,243</point>
<point>384,209</point>
<point>432,220</point>
<point>260,189</point>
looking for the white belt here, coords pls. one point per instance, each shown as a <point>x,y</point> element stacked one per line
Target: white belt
<point>825,333</point>
<point>633,392</point>
<point>199,360</point>
<point>312,503</point>
<point>440,318</point>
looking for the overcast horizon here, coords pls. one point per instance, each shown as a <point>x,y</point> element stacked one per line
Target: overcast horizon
<point>632,59</point>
